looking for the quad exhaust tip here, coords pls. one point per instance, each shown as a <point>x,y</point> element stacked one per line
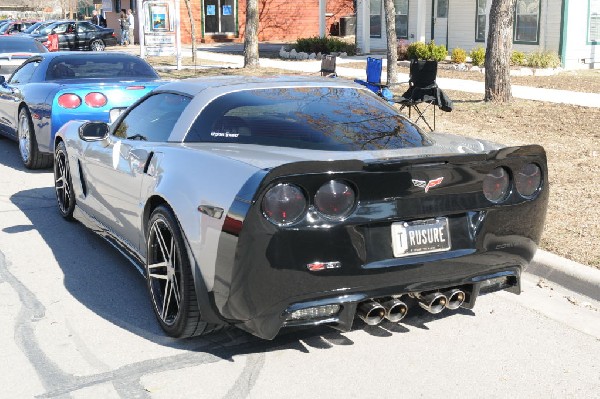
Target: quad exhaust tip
<point>456,298</point>
<point>433,302</point>
<point>395,310</point>
<point>371,312</point>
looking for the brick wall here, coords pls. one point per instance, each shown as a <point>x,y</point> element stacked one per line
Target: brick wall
<point>279,20</point>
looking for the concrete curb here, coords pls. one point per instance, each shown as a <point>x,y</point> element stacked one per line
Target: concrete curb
<point>571,275</point>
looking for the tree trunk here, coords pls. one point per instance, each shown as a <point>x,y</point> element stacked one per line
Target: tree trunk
<point>392,44</point>
<point>499,48</point>
<point>193,29</point>
<point>251,35</point>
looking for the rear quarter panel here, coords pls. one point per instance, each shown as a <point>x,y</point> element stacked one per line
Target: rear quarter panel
<point>187,178</point>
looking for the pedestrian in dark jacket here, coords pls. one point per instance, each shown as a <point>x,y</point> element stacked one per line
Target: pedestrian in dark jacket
<point>98,19</point>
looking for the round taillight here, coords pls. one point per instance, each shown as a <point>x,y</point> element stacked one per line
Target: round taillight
<point>69,100</point>
<point>95,100</point>
<point>284,204</point>
<point>528,180</point>
<point>335,199</point>
<point>496,184</point>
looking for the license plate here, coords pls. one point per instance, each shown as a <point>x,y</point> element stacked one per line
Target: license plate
<point>114,113</point>
<point>420,237</point>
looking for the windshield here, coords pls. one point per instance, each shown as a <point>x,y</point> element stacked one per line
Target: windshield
<point>99,67</point>
<point>324,118</point>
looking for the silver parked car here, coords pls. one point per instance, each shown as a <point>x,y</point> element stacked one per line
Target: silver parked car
<point>272,202</point>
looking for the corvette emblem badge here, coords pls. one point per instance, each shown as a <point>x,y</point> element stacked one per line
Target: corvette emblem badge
<point>427,184</point>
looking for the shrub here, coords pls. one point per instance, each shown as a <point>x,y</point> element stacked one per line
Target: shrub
<point>418,50</point>
<point>477,56</point>
<point>324,45</point>
<point>402,50</point>
<point>430,51</point>
<point>459,55</point>
<point>543,59</point>
<point>437,53</point>
<point>517,58</point>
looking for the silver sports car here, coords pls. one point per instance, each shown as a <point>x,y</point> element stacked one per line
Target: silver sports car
<point>271,202</point>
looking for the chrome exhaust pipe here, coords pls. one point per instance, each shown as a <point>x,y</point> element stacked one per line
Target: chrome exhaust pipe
<point>395,309</point>
<point>456,298</point>
<point>371,312</point>
<point>433,302</point>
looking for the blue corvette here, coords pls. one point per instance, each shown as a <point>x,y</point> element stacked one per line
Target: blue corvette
<point>50,89</point>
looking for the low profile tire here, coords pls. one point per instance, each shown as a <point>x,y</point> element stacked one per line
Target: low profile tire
<point>97,45</point>
<point>28,148</point>
<point>169,278</point>
<point>65,197</point>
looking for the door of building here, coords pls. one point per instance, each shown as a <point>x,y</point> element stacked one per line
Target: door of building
<point>219,16</point>
<point>440,32</point>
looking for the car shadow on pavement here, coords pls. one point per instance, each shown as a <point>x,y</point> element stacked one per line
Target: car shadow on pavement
<point>9,156</point>
<point>107,284</point>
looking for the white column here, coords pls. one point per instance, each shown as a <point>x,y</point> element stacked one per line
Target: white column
<point>322,11</point>
<point>141,23</point>
<point>363,26</point>
<point>421,21</point>
<point>178,33</point>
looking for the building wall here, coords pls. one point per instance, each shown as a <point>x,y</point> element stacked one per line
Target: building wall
<point>578,53</point>
<point>279,20</point>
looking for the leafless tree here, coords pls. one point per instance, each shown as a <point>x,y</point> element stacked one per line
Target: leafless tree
<point>499,48</point>
<point>193,29</point>
<point>392,45</point>
<point>251,35</point>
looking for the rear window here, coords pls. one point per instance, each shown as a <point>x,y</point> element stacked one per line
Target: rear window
<point>19,45</point>
<point>323,118</point>
<point>106,66</point>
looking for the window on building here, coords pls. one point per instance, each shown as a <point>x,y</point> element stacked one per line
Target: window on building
<point>442,9</point>
<point>480,21</point>
<point>594,22</point>
<point>375,6</point>
<point>401,7</point>
<point>526,21</point>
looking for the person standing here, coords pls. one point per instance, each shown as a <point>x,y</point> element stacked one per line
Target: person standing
<point>98,19</point>
<point>124,24</point>
<point>131,19</point>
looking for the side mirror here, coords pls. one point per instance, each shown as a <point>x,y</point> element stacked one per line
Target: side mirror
<point>93,131</point>
<point>2,80</point>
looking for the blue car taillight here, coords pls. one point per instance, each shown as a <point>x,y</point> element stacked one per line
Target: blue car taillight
<point>69,100</point>
<point>95,99</point>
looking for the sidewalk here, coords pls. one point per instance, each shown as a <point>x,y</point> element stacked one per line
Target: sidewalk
<point>523,92</point>
<point>232,53</point>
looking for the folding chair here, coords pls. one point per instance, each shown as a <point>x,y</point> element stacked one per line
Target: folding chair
<point>328,66</point>
<point>373,82</point>
<point>423,92</point>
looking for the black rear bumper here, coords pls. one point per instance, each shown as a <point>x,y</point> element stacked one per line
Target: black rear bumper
<point>261,274</point>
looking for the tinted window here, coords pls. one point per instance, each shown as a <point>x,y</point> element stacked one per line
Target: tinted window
<point>18,45</point>
<point>23,74</point>
<point>85,27</point>
<point>335,119</point>
<point>105,66</point>
<point>153,119</point>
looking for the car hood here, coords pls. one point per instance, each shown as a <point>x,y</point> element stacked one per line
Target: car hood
<point>266,157</point>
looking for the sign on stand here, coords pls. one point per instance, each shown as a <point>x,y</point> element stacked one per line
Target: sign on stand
<point>159,29</point>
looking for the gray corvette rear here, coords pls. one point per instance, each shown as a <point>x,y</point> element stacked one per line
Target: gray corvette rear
<point>265,203</point>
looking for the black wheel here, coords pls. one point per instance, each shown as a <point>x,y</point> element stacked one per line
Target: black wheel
<point>169,278</point>
<point>30,155</point>
<point>97,45</point>
<point>65,196</point>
